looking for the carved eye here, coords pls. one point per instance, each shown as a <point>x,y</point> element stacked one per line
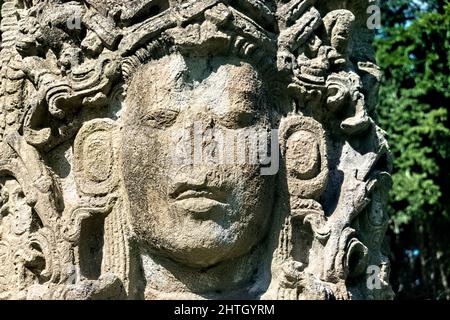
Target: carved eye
<point>161,117</point>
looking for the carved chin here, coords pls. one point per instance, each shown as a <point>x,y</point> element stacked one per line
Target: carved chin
<point>201,243</point>
<point>198,232</point>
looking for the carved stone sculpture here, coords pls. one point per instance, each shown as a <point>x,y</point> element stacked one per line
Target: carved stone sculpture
<point>105,193</point>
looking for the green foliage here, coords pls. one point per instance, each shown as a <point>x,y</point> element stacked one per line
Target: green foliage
<point>397,12</point>
<point>413,108</point>
<point>414,101</point>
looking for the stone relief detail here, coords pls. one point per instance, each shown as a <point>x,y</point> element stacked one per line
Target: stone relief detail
<point>92,205</point>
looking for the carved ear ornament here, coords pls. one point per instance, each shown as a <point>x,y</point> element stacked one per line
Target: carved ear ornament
<point>304,150</point>
<point>72,223</point>
<point>95,158</point>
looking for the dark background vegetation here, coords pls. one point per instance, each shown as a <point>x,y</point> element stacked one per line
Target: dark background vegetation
<point>413,50</point>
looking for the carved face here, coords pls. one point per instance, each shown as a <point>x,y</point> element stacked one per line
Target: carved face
<point>197,211</point>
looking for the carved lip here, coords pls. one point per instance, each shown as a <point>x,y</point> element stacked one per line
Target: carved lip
<point>198,198</point>
<point>189,194</point>
<point>186,191</point>
<point>199,205</point>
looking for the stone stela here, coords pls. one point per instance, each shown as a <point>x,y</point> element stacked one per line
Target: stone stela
<point>92,205</point>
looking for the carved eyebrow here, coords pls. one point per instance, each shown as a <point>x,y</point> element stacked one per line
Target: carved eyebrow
<point>160,117</point>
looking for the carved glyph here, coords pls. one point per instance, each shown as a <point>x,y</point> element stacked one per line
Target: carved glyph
<point>167,149</point>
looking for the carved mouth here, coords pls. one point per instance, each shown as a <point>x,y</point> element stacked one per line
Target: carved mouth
<point>189,194</point>
<point>185,190</point>
<point>199,205</point>
<point>198,198</point>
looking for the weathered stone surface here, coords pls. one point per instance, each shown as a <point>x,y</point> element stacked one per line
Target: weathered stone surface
<point>133,162</point>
